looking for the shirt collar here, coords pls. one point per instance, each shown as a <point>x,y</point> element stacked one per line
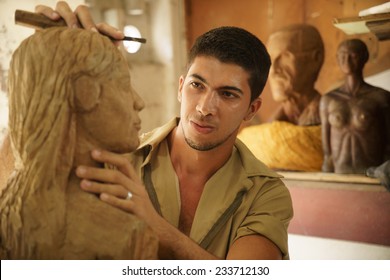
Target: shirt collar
<point>252,165</point>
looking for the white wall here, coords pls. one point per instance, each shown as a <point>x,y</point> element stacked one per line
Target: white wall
<point>156,76</point>
<point>318,248</point>
<point>380,80</point>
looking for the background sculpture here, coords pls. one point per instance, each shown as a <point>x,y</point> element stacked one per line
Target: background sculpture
<point>355,117</point>
<point>69,92</point>
<point>297,53</point>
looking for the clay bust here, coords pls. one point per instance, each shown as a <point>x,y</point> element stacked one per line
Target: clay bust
<point>69,92</point>
<point>355,117</point>
<point>297,54</point>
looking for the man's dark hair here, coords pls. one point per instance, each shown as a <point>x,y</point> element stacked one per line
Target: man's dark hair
<point>238,46</point>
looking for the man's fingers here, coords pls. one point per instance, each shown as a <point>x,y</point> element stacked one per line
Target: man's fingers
<point>119,161</point>
<point>103,175</point>
<point>98,188</point>
<point>67,14</point>
<point>85,18</point>
<point>81,17</point>
<point>47,11</point>
<point>109,30</point>
<point>123,204</point>
<point>115,34</point>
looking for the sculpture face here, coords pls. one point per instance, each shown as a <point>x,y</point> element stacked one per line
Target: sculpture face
<point>297,55</point>
<point>349,60</point>
<point>114,123</point>
<point>285,66</point>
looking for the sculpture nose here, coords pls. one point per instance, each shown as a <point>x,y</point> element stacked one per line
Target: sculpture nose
<point>139,103</point>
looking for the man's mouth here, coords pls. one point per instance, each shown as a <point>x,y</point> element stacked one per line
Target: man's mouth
<point>202,128</point>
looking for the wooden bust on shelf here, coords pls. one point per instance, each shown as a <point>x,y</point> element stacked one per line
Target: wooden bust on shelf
<point>297,54</point>
<point>355,117</point>
<point>69,92</point>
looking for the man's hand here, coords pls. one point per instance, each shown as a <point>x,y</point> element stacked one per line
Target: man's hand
<point>114,185</point>
<point>79,18</point>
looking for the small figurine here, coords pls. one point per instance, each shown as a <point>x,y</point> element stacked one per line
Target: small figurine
<point>355,117</point>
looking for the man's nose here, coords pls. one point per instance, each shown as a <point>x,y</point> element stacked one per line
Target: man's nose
<point>208,103</point>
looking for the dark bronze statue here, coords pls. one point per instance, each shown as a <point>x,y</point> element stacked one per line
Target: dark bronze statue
<point>355,117</point>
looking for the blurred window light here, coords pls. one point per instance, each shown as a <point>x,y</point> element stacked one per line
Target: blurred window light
<point>135,7</point>
<point>132,31</point>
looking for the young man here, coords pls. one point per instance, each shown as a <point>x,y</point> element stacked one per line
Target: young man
<point>202,191</point>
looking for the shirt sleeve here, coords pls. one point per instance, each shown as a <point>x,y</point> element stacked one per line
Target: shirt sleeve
<point>269,214</point>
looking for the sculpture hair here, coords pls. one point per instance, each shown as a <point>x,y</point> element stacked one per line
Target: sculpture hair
<point>43,106</point>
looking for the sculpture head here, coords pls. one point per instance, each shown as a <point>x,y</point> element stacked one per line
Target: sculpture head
<point>65,84</point>
<point>297,54</point>
<point>352,55</point>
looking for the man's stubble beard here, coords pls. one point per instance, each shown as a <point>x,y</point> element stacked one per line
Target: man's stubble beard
<point>207,146</point>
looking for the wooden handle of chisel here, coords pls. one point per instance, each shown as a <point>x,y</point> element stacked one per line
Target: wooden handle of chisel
<point>35,20</point>
<point>38,21</point>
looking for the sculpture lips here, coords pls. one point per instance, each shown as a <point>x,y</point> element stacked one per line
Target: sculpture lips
<point>137,126</point>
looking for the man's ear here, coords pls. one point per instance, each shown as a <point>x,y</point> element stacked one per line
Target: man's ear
<point>86,93</point>
<point>181,83</point>
<point>253,108</point>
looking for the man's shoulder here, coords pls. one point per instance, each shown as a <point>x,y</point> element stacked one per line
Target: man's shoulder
<point>252,165</point>
<point>155,136</point>
<point>150,140</point>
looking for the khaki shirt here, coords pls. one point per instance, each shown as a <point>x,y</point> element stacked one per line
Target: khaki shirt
<point>251,198</point>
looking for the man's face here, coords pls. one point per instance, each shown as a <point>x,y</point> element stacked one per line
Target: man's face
<point>215,99</point>
<point>114,123</point>
<point>285,69</point>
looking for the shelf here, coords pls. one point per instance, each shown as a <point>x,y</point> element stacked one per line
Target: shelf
<point>379,24</point>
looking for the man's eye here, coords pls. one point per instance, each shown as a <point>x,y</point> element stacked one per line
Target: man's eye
<point>228,94</point>
<point>195,84</point>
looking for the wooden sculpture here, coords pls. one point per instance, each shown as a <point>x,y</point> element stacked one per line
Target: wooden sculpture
<point>297,54</point>
<point>69,92</point>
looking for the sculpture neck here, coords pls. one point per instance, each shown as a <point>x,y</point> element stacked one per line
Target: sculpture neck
<point>353,83</point>
<point>82,153</point>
